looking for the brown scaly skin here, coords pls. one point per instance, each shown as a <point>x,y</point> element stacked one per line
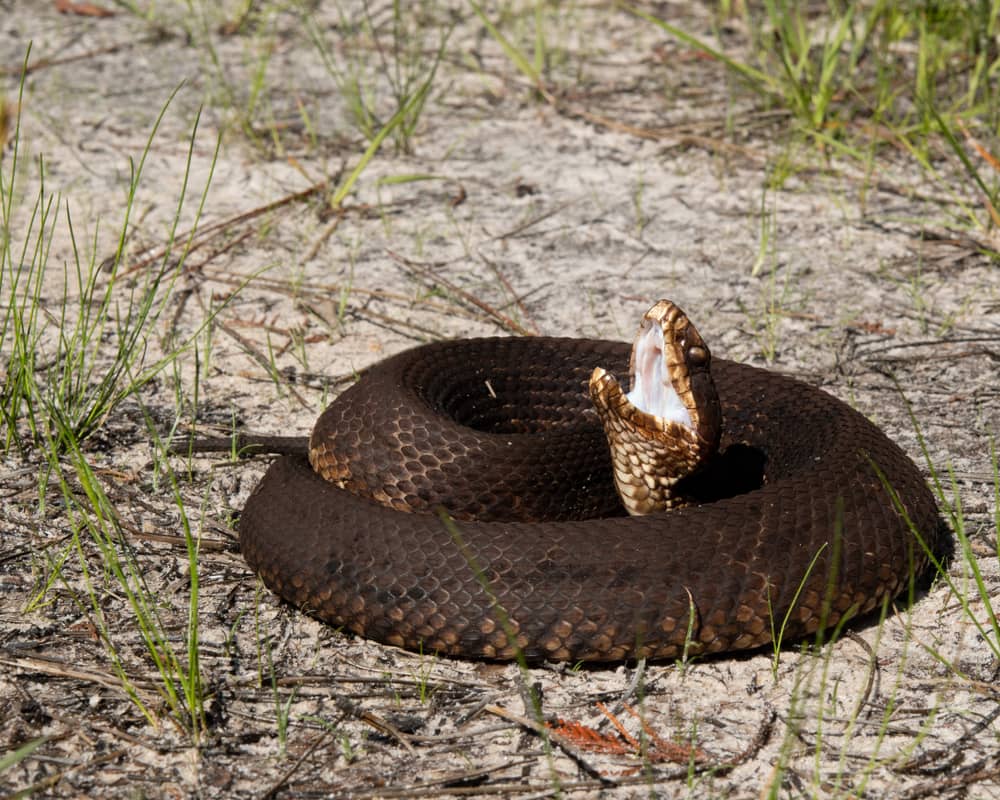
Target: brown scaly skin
<point>506,424</point>
<point>650,455</point>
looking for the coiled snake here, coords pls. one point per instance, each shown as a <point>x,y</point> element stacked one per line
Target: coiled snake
<point>805,516</point>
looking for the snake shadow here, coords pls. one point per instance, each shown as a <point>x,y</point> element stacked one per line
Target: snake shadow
<point>737,470</point>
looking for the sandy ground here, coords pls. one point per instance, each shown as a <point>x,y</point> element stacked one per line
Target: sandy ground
<point>650,176</point>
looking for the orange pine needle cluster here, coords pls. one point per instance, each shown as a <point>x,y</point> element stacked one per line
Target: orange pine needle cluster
<point>622,742</point>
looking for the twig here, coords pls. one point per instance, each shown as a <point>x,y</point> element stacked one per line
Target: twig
<point>517,299</point>
<point>501,319</point>
<point>241,443</point>
<point>355,710</point>
<point>251,350</point>
<point>872,675</point>
<point>45,63</point>
<point>276,786</point>
<point>201,235</point>
<point>562,742</point>
<point>759,740</point>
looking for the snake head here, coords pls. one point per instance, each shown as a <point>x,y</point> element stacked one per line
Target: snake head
<point>668,426</point>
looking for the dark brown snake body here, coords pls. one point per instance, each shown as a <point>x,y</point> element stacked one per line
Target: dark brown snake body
<point>507,424</point>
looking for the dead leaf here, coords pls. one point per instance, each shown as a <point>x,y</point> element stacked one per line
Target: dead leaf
<point>658,749</point>
<point>82,9</point>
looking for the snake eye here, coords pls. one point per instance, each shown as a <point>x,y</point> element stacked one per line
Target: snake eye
<point>697,356</point>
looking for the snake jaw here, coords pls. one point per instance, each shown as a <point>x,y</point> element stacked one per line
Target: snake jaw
<point>669,425</point>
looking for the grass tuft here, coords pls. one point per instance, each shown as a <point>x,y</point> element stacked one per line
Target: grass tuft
<point>406,68</point>
<point>845,77</point>
<point>70,363</point>
<point>60,380</point>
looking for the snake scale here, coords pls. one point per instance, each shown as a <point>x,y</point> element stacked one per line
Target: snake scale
<point>792,528</point>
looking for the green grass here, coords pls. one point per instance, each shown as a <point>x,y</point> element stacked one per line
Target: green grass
<point>64,382</point>
<point>839,72</point>
<point>95,526</point>
<point>529,66</point>
<point>371,68</point>
<point>62,386</point>
<point>972,594</point>
<point>814,715</point>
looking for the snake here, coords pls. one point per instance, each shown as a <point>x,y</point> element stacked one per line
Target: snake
<point>461,499</point>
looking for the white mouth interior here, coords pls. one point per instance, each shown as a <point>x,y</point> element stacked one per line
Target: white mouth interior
<point>652,390</point>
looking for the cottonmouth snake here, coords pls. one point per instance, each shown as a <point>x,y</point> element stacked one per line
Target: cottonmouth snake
<point>792,529</point>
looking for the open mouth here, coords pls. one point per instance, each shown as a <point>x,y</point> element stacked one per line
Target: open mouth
<point>652,390</point>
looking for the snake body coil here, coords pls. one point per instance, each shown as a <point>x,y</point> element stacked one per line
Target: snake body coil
<point>508,426</point>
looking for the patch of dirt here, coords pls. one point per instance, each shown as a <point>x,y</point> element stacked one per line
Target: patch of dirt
<point>646,177</point>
